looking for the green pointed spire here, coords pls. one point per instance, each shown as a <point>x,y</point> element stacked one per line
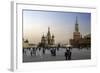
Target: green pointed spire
<point>76,25</point>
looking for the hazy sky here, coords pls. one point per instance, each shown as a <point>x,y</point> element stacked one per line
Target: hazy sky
<point>62,25</point>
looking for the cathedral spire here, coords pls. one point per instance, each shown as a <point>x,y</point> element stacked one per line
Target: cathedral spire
<point>76,25</point>
<point>76,19</point>
<point>49,31</point>
<point>49,36</point>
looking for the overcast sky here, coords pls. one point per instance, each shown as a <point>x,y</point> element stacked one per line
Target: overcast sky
<point>62,25</point>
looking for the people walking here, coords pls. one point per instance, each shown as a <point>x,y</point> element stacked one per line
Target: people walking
<point>53,52</point>
<point>68,55</point>
<point>43,50</point>
<point>37,52</point>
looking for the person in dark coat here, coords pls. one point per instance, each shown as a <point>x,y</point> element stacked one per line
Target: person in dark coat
<point>68,55</point>
<point>43,50</point>
<point>54,52</point>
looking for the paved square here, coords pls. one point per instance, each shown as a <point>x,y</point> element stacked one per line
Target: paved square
<point>77,54</point>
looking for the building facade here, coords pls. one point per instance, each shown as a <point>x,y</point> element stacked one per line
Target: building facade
<point>48,40</point>
<point>78,40</point>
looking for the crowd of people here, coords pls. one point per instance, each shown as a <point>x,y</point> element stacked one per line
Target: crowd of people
<point>42,51</point>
